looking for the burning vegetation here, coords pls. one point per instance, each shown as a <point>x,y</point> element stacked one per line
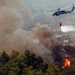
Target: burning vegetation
<point>17,33</point>
<point>65,63</point>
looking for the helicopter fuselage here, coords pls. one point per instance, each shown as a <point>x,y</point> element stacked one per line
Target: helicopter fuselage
<point>58,13</point>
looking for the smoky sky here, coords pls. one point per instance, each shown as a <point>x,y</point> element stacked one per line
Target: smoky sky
<point>21,29</point>
<point>18,32</point>
<point>40,8</point>
<point>11,18</point>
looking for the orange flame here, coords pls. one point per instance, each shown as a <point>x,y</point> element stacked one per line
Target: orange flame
<point>66,63</point>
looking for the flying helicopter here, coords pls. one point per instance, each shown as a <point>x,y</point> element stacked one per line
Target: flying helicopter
<point>61,12</point>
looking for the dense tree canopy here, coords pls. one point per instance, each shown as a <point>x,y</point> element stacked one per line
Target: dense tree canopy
<point>26,64</point>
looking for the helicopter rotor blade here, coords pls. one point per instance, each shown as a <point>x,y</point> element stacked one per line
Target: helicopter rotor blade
<point>66,7</point>
<point>59,8</point>
<point>51,10</point>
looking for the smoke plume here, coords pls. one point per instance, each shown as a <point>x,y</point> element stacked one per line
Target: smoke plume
<point>14,16</point>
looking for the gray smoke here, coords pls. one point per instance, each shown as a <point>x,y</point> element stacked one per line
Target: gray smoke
<point>14,16</point>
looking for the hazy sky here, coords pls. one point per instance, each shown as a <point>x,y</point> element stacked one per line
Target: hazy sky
<point>39,10</point>
<point>45,5</point>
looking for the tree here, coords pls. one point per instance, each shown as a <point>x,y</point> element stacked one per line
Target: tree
<point>44,67</point>
<point>53,69</point>
<point>4,57</point>
<point>13,55</point>
<point>68,71</point>
<point>39,72</point>
<point>26,64</point>
<point>14,70</point>
<point>32,60</point>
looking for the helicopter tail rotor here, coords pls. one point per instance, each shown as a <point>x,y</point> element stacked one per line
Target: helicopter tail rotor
<point>73,8</point>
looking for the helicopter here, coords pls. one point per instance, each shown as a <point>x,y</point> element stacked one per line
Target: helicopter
<point>60,12</point>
